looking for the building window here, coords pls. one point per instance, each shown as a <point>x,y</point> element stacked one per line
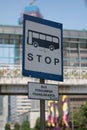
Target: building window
<point>10,51</point>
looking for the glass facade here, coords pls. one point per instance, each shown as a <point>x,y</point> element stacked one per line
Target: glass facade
<point>75,52</point>
<point>10,49</point>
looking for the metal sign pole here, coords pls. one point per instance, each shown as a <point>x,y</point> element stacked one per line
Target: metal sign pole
<point>42,111</point>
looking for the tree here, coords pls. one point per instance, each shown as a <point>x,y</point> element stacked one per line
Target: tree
<point>37,125</point>
<point>84,108</point>
<point>25,125</point>
<point>80,117</point>
<point>16,126</point>
<point>7,126</point>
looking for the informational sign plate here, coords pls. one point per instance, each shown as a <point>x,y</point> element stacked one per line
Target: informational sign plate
<point>42,49</point>
<point>43,91</point>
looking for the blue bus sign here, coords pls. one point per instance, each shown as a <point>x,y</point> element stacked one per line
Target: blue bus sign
<point>42,48</point>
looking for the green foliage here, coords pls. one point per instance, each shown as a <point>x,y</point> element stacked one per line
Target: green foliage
<point>46,123</point>
<point>25,125</point>
<point>80,118</point>
<point>7,126</point>
<point>82,129</point>
<point>37,125</point>
<point>16,126</point>
<point>84,108</point>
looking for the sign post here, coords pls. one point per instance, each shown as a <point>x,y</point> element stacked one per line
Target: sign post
<point>42,53</point>
<point>42,111</point>
<point>43,92</point>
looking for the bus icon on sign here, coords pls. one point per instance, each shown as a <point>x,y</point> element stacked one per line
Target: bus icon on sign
<point>38,39</point>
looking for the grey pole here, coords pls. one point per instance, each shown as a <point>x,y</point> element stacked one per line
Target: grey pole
<point>42,111</point>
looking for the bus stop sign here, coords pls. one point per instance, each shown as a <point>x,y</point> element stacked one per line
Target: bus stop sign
<point>42,48</point>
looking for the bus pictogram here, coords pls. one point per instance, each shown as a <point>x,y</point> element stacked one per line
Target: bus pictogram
<point>38,39</point>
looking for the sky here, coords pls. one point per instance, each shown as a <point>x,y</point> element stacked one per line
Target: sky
<point>71,13</point>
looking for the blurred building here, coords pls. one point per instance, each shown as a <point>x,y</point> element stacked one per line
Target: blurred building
<point>75,67</point>
<point>3,111</point>
<point>18,106</point>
